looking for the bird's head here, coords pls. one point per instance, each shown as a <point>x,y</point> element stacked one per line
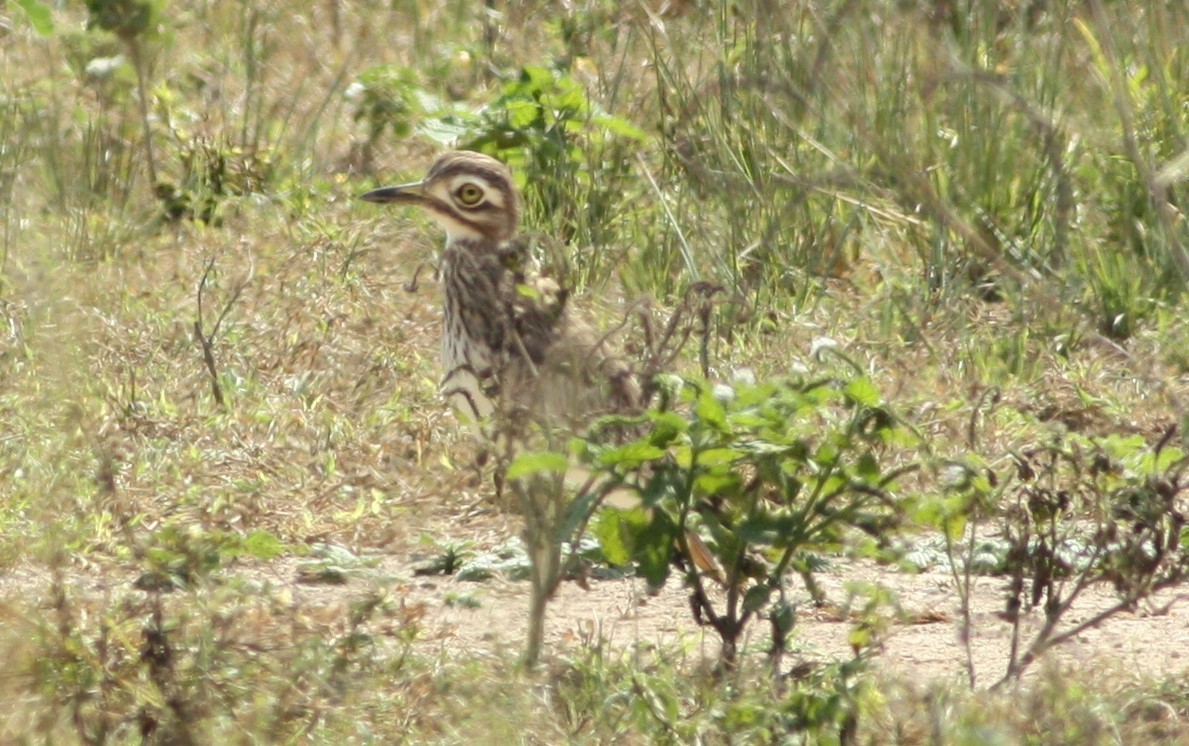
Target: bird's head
<point>471,195</point>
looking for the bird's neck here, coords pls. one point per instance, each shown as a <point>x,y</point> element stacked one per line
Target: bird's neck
<point>488,256</point>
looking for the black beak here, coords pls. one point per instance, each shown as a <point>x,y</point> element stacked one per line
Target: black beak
<point>409,194</point>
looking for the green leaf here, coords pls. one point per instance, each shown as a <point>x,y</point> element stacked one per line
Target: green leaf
<point>615,533</point>
<point>717,484</point>
<point>718,457</point>
<point>756,598</point>
<point>443,130</point>
<point>762,529</point>
<point>867,466</point>
<point>955,526</point>
<point>654,548</point>
<point>527,464</point>
<point>863,391</point>
<point>40,16</point>
<point>710,410</point>
<point>665,427</point>
<point>263,545</point>
<point>533,79</point>
<point>630,456</point>
<point>527,291</point>
<point>860,637</point>
<point>621,127</point>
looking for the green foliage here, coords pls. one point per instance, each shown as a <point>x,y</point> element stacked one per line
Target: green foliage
<point>973,142</point>
<point>660,702</point>
<point>40,16</point>
<point>774,475</point>
<point>211,174</point>
<point>538,462</point>
<point>127,19</point>
<point>178,557</point>
<point>160,672</point>
<point>571,158</point>
<point>388,98</point>
<point>542,116</point>
<point>1133,491</point>
<point>1072,512</point>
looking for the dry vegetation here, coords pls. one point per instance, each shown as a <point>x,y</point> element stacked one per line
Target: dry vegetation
<point>232,370</point>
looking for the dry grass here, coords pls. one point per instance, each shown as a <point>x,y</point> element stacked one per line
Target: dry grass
<point>117,463</point>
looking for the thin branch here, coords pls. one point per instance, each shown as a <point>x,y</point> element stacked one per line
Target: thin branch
<point>207,341</point>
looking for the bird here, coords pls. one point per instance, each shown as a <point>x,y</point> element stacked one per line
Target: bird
<point>509,335</point>
<point>511,342</point>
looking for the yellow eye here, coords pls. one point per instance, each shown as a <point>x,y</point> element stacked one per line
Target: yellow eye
<point>469,194</point>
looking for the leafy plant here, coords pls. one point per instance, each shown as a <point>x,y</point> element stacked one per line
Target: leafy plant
<point>212,172</point>
<point>571,158</point>
<point>388,99</point>
<point>662,701</point>
<point>534,464</point>
<point>132,22</point>
<point>159,670</point>
<point>178,557</point>
<point>772,477</point>
<point>1075,512</point>
<point>40,16</point>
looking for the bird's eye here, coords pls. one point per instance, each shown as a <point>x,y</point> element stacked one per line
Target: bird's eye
<point>469,194</point>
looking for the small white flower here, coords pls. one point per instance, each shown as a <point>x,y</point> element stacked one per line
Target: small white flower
<point>955,477</point>
<point>104,67</point>
<point>743,377</point>
<point>723,392</point>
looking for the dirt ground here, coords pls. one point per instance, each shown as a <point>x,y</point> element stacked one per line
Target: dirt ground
<point>925,644</point>
<point>922,642</point>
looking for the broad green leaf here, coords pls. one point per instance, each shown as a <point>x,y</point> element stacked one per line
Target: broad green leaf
<point>527,464</point>
<point>710,410</point>
<point>616,532</point>
<point>717,484</point>
<point>717,456</point>
<point>621,127</point>
<point>683,455</point>
<point>756,598</point>
<point>263,545</point>
<point>665,427</point>
<point>443,130</point>
<point>863,391</point>
<point>631,455</point>
<point>762,529</point>
<point>654,548</point>
<point>533,78</point>
<point>867,466</point>
<point>40,16</point>
<point>827,454</point>
<point>860,637</point>
<point>954,526</point>
<point>782,616</point>
<point>749,420</point>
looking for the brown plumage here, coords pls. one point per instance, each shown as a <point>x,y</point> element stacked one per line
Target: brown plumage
<point>510,340</point>
<point>509,336</point>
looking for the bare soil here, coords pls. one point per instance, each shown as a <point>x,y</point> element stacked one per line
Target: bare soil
<point>922,641</point>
